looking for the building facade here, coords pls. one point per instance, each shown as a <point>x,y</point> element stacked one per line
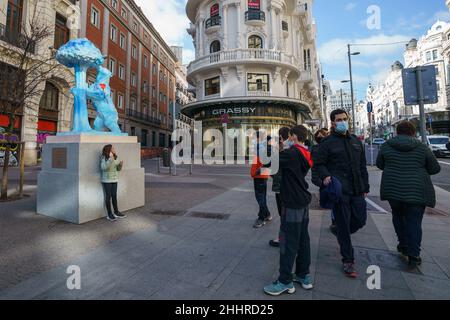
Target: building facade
<point>143,67</point>
<point>256,63</point>
<point>51,109</point>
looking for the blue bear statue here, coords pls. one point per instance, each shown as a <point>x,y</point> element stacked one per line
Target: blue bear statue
<point>100,95</point>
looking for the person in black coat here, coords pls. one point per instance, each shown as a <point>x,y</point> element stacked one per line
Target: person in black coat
<point>342,156</point>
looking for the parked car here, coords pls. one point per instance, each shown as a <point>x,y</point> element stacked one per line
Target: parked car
<point>378,141</point>
<point>438,144</point>
<point>12,159</point>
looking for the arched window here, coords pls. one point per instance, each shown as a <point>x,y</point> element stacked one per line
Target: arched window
<point>215,46</point>
<point>50,98</point>
<point>255,42</point>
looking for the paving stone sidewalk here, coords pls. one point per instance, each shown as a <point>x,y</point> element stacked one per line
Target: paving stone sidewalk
<point>210,251</point>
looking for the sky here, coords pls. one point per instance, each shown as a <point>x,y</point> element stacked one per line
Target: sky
<point>339,22</point>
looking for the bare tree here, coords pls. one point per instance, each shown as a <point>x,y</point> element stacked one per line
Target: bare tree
<point>23,74</point>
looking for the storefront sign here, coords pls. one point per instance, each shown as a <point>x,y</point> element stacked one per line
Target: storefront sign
<point>254,4</point>
<point>233,111</point>
<point>214,10</point>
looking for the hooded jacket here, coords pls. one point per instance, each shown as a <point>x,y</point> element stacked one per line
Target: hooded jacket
<point>294,165</point>
<point>407,165</point>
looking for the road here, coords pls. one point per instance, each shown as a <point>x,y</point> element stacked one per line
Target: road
<point>443,178</point>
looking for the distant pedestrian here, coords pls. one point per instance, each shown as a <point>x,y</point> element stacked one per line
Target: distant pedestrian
<point>294,237</point>
<point>260,174</point>
<point>407,165</point>
<point>110,167</point>
<point>342,156</point>
<point>284,144</point>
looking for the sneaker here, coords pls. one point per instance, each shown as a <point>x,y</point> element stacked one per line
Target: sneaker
<point>113,218</point>
<point>306,282</point>
<point>259,224</point>
<point>120,215</point>
<point>414,262</point>
<point>349,270</point>
<point>274,243</point>
<point>268,219</point>
<point>402,250</point>
<point>333,229</point>
<point>277,288</point>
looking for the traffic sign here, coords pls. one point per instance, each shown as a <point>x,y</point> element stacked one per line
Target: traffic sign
<point>369,107</point>
<point>429,85</point>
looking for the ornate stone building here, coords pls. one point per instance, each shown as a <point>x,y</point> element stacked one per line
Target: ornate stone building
<point>256,61</point>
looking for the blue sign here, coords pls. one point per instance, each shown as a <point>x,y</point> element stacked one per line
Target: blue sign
<point>429,86</point>
<point>369,107</point>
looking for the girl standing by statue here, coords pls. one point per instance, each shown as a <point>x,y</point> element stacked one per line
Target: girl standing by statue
<point>110,167</point>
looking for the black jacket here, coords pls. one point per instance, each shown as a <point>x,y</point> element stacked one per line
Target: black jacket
<point>343,157</point>
<point>315,179</point>
<point>294,166</point>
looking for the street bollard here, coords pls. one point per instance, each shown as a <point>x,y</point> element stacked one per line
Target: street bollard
<point>159,164</point>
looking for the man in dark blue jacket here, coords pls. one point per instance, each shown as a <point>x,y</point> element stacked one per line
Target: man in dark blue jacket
<point>295,197</point>
<point>342,155</point>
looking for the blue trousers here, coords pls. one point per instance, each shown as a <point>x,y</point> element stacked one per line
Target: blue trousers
<point>261,197</point>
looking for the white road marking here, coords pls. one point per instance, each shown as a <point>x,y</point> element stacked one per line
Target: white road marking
<point>447,163</point>
<point>373,204</point>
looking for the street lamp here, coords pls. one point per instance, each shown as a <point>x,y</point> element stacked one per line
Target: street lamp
<point>350,54</point>
<point>342,98</point>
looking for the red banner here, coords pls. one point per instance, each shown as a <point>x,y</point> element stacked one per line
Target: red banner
<point>214,10</point>
<point>254,4</point>
<point>47,126</point>
<point>4,121</point>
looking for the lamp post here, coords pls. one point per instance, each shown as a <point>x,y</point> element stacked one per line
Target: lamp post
<point>350,54</point>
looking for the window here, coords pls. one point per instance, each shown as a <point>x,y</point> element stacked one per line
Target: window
<point>135,26</point>
<point>113,96</point>
<point>124,13</point>
<point>120,101</point>
<point>133,103</point>
<point>435,54</point>
<point>145,61</point>
<point>122,71</point>
<point>154,68</point>
<point>145,89</point>
<point>144,134</point>
<point>134,52</point>
<point>112,65</point>
<point>212,86</point>
<point>428,56</point>
<point>95,17</point>
<point>122,41</point>
<point>113,33</point>
<point>258,82</point>
<point>133,79</point>
<point>153,92</point>
<point>133,131</point>
<point>14,17</point>
<point>215,46</point>
<point>114,4</point>
<point>153,139</point>
<point>50,98</point>
<point>307,59</point>
<point>255,42</point>
<point>62,33</point>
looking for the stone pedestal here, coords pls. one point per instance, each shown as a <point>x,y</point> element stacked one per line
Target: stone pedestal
<point>69,185</point>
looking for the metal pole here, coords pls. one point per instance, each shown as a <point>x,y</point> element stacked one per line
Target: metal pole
<point>159,164</point>
<point>342,100</point>
<point>371,141</point>
<point>351,88</point>
<point>423,125</point>
<point>174,128</point>
<point>22,168</point>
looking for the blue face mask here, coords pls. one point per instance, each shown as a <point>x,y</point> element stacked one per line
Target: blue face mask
<point>342,127</point>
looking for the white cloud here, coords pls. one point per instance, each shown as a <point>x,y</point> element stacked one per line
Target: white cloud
<point>168,17</point>
<point>350,6</point>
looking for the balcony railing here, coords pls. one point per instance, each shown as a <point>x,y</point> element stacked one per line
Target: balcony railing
<point>258,93</point>
<point>239,55</point>
<point>285,26</point>
<point>255,15</point>
<point>213,21</point>
<point>17,39</point>
<point>143,117</point>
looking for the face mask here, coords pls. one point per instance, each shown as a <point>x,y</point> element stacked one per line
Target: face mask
<point>288,144</point>
<point>342,127</point>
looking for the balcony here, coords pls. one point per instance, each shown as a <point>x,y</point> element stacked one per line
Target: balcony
<point>213,24</point>
<point>258,93</point>
<point>255,17</point>
<point>240,56</point>
<point>306,76</point>
<point>136,115</point>
<point>17,39</point>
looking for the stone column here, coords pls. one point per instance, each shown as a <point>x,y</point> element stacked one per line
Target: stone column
<point>201,31</point>
<point>273,26</point>
<point>239,26</point>
<point>3,7</point>
<point>105,32</point>
<point>225,26</point>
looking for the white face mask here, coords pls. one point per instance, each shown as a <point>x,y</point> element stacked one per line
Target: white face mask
<point>288,144</point>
